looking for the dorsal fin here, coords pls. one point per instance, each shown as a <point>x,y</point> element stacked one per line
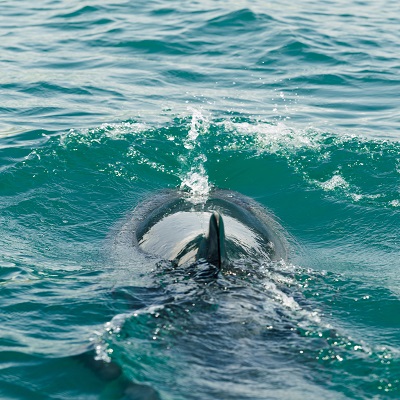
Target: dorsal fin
<point>213,247</point>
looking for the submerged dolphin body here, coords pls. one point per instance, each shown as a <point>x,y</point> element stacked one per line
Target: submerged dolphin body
<point>227,226</point>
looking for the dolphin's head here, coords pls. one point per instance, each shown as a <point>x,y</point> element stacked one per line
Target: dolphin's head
<point>226,227</point>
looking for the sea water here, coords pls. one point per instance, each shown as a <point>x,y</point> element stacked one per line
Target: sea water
<point>294,104</point>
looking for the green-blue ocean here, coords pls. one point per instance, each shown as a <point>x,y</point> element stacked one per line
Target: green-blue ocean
<point>294,104</point>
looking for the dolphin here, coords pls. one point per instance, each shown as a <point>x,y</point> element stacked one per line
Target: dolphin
<point>207,237</point>
<point>226,227</point>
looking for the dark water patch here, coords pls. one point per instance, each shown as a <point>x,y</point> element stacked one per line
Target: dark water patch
<point>91,27</point>
<point>302,51</point>
<point>71,379</point>
<point>44,89</point>
<point>326,79</point>
<point>39,111</point>
<point>82,10</point>
<point>240,21</point>
<point>151,46</point>
<point>81,64</point>
<point>184,75</point>
<point>164,11</point>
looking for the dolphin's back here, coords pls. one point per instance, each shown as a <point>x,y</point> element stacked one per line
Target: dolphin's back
<point>227,226</point>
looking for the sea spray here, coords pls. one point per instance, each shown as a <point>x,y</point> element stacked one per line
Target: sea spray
<point>195,181</point>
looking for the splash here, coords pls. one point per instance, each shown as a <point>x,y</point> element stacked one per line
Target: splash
<point>102,339</point>
<point>195,182</point>
<point>337,181</point>
<point>395,203</point>
<point>277,137</point>
<point>95,136</point>
<point>198,125</point>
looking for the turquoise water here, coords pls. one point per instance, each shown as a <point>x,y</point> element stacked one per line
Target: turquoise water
<point>295,105</point>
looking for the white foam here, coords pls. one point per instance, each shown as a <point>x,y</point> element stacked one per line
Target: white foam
<point>113,327</point>
<point>196,184</point>
<point>113,131</point>
<point>395,203</point>
<point>337,181</point>
<point>199,124</point>
<point>275,137</point>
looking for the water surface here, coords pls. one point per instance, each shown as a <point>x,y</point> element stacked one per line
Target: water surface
<point>294,105</point>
